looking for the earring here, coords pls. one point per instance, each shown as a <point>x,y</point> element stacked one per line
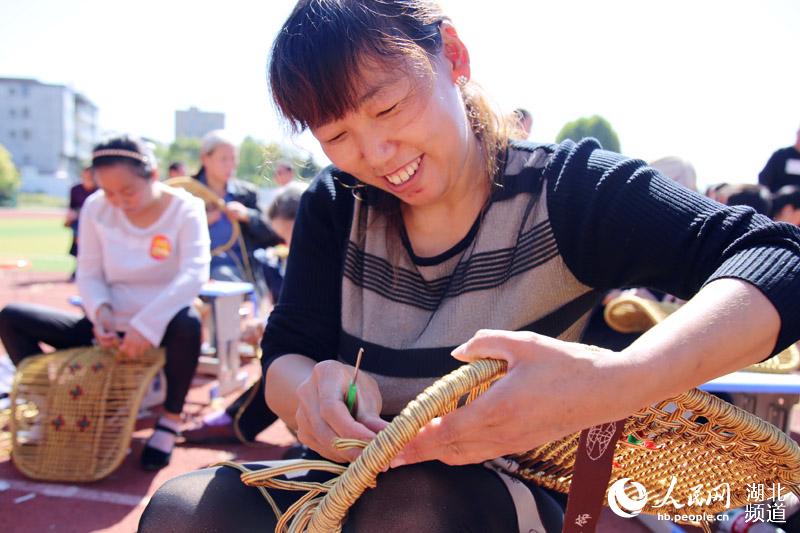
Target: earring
<point>355,190</point>
<point>461,81</point>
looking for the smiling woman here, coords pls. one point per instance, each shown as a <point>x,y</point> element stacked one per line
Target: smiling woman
<point>431,226</point>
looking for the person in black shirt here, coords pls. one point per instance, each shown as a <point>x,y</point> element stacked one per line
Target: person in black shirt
<point>77,196</point>
<point>783,167</point>
<point>435,239</point>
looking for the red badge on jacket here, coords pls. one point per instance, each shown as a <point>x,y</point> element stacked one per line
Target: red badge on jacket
<point>160,247</point>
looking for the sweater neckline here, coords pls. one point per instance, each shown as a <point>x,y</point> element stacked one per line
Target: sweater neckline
<point>456,249</point>
<point>130,226</point>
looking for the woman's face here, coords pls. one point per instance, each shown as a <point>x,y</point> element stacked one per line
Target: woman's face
<point>124,188</point>
<point>409,136</point>
<point>220,163</point>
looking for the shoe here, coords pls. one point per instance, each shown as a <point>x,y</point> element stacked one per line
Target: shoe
<point>214,429</point>
<point>153,459</point>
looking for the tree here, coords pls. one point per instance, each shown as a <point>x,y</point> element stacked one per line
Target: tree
<point>594,126</point>
<point>309,168</point>
<point>252,161</point>
<point>257,161</point>
<point>9,178</point>
<point>185,150</point>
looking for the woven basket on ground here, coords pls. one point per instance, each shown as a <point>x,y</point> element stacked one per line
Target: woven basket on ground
<point>632,314</point>
<point>698,440</point>
<point>74,411</point>
<point>198,189</point>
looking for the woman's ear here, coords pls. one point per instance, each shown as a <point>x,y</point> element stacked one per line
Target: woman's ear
<point>456,53</point>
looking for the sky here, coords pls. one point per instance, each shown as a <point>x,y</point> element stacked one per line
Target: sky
<point>714,82</point>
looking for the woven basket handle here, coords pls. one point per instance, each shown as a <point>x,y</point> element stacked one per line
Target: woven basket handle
<point>432,402</point>
<point>199,189</point>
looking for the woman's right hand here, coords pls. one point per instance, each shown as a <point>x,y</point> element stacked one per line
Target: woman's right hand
<point>322,414</point>
<point>104,327</point>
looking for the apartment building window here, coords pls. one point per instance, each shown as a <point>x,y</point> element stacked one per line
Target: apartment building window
<point>12,91</point>
<point>12,134</point>
<point>26,112</point>
<point>26,134</point>
<point>12,113</point>
<point>26,159</point>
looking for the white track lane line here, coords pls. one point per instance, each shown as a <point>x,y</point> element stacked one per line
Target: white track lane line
<point>72,491</point>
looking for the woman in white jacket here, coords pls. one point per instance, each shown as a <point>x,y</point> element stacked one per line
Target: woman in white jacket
<point>144,256</point>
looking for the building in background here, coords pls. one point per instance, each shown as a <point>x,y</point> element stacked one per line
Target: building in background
<point>193,123</point>
<point>50,131</point>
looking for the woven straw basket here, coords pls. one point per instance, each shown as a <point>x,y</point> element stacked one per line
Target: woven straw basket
<point>74,411</point>
<point>197,188</point>
<point>695,438</point>
<point>632,314</point>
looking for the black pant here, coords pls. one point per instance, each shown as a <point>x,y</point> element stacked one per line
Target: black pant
<point>430,497</point>
<point>24,326</point>
<point>254,415</point>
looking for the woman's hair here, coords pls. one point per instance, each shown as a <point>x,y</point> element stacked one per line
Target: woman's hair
<point>678,170</point>
<point>213,139</point>
<point>786,195</point>
<point>755,196</point>
<point>286,202</point>
<point>318,56</point>
<point>125,150</point>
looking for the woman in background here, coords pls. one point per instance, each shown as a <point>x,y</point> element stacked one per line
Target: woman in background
<point>143,257</point>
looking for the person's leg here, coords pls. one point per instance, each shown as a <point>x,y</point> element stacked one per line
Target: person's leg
<point>251,409</point>
<point>182,346</point>
<point>24,326</point>
<point>427,497</point>
<point>209,500</point>
<point>248,413</point>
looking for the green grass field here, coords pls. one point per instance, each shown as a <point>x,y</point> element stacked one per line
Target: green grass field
<point>43,241</point>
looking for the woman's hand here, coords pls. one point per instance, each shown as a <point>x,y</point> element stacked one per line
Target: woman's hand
<point>103,328</point>
<point>134,344</point>
<point>552,388</point>
<point>238,211</point>
<point>322,414</point>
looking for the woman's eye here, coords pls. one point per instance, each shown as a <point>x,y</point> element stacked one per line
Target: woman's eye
<point>336,138</point>
<point>387,111</point>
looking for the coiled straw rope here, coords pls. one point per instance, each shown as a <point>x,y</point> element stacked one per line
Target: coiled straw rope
<point>698,440</point>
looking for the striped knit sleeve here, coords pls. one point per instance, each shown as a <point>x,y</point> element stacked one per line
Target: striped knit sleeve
<point>620,223</point>
<point>306,320</point>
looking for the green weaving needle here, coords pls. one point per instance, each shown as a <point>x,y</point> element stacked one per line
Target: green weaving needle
<point>352,390</point>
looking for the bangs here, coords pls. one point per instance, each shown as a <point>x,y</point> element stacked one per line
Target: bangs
<point>324,46</point>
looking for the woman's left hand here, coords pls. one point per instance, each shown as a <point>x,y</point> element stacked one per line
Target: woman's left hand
<point>238,211</point>
<point>134,344</point>
<point>552,388</point>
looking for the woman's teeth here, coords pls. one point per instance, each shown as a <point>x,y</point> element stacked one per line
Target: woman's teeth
<point>405,173</point>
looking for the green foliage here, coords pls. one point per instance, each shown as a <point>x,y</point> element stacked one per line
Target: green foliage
<point>594,126</point>
<point>309,168</point>
<point>253,158</point>
<point>9,178</point>
<point>256,159</point>
<point>184,150</point>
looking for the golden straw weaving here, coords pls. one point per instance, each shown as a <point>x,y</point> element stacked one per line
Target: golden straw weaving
<point>696,438</point>
<point>633,314</point>
<point>196,188</point>
<point>73,411</point>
